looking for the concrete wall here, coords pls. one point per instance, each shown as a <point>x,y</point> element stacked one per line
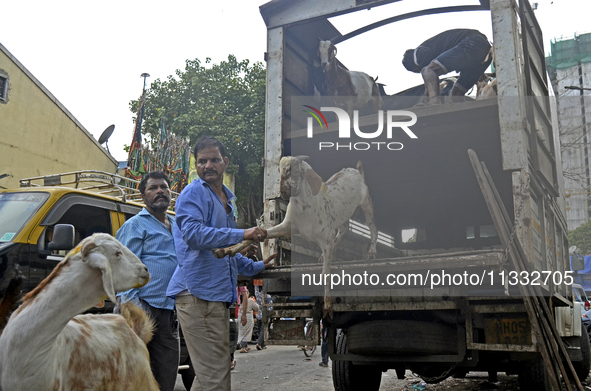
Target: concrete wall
<point>38,135</point>
<point>574,116</point>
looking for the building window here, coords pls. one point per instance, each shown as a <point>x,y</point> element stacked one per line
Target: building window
<point>3,87</point>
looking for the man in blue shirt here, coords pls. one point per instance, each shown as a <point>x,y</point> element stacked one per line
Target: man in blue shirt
<point>203,285</point>
<point>148,235</point>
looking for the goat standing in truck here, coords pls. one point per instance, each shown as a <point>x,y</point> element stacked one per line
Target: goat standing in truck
<point>319,211</point>
<point>463,50</point>
<point>357,90</point>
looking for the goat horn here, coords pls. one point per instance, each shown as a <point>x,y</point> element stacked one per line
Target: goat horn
<point>302,157</point>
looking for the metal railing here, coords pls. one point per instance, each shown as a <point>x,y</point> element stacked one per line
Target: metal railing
<point>100,182</point>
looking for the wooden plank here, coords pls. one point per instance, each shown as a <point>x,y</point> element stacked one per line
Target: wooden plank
<point>501,226</point>
<point>551,346</point>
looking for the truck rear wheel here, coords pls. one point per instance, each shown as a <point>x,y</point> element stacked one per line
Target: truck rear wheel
<point>349,377</point>
<point>582,367</point>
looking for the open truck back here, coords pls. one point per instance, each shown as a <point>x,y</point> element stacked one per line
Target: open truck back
<point>448,300</point>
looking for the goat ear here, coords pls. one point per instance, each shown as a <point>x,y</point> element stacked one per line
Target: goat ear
<point>100,261</point>
<point>313,179</point>
<point>86,247</point>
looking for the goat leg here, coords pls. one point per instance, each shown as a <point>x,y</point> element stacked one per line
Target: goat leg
<point>367,208</point>
<point>231,251</point>
<point>280,231</point>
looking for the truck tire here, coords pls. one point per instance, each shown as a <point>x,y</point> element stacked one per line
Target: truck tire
<point>349,377</point>
<point>582,367</point>
<point>533,376</point>
<point>402,337</point>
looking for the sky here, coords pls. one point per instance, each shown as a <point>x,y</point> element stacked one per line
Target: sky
<point>90,54</point>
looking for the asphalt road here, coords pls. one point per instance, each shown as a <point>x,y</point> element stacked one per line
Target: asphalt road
<point>285,368</point>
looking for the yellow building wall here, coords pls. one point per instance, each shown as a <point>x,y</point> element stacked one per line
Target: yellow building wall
<point>38,135</point>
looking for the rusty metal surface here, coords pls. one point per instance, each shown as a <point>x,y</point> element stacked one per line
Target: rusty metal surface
<point>507,331</point>
<point>288,330</point>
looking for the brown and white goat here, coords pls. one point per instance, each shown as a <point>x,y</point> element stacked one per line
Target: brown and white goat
<point>351,89</point>
<point>486,87</point>
<point>45,346</point>
<point>319,211</point>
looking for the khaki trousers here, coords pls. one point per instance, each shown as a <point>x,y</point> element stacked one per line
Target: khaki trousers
<point>206,331</point>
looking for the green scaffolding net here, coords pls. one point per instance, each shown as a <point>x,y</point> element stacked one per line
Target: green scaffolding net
<point>570,52</point>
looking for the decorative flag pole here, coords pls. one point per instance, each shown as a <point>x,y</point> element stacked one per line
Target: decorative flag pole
<point>134,161</point>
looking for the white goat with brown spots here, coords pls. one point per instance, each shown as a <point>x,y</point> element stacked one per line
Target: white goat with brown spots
<point>351,89</point>
<point>318,211</point>
<point>45,346</point>
<point>486,87</point>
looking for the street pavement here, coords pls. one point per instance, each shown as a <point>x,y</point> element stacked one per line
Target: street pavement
<point>285,368</point>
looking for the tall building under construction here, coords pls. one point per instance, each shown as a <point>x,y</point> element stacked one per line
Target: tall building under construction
<point>569,66</point>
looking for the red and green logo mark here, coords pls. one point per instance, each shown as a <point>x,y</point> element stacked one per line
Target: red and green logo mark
<point>313,114</point>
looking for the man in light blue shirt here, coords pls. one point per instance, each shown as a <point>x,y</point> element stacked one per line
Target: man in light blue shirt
<point>148,235</point>
<point>203,285</point>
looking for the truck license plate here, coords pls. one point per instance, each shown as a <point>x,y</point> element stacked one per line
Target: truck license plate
<point>511,331</point>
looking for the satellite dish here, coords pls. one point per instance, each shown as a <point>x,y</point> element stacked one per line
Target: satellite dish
<point>105,136</point>
<point>572,249</point>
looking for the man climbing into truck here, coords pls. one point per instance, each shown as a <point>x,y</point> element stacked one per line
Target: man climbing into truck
<point>463,50</point>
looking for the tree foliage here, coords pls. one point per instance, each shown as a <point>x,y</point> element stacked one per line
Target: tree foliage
<point>226,101</point>
<point>581,237</point>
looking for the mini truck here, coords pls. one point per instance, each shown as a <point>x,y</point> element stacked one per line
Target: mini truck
<point>453,303</point>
